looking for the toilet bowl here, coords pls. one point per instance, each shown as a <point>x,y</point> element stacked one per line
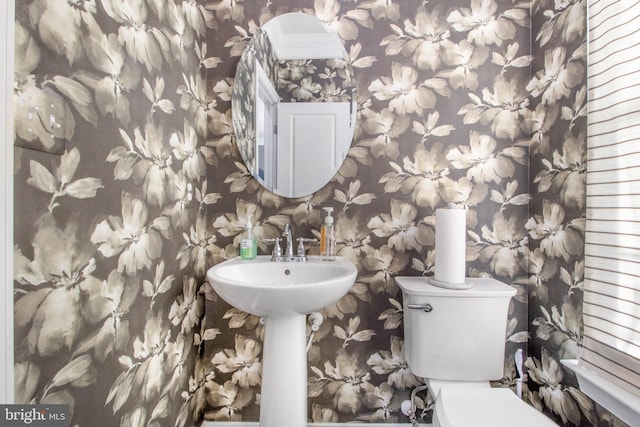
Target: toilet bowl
<point>455,340</point>
<point>473,406</point>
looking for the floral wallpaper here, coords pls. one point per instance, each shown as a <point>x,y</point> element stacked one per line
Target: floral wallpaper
<point>108,305</point>
<point>315,80</point>
<point>481,103</point>
<point>556,221</point>
<point>244,98</point>
<point>477,102</point>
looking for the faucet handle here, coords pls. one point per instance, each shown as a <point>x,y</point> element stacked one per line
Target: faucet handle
<point>301,242</point>
<point>277,250</point>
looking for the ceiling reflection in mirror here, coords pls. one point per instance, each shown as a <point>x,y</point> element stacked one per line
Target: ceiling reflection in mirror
<point>294,105</point>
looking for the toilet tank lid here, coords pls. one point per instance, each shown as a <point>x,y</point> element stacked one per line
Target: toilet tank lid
<point>481,287</point>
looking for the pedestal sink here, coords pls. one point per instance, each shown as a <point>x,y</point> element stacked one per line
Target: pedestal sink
<point>283,293</point>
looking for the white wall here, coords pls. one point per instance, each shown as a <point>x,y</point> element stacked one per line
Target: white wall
<point>6,198</point>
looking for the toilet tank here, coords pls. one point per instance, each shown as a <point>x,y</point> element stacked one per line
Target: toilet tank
<point>463,337</point>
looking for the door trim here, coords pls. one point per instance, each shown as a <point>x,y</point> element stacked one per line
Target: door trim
<point>7,21</point>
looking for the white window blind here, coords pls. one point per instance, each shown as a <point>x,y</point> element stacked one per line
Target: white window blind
<point>611,308</point>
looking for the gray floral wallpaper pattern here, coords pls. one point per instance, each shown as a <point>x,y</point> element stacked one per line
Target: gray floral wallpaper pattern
<point>481,103</point>
<point>259,50</point>
<point>425,137</point>
<point>107,281</point>
<point>315,80</point>
<point>455,105</point>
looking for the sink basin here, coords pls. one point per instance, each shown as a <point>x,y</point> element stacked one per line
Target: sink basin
<point>264,288</point>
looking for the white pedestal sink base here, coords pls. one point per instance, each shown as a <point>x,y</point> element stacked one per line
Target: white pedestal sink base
<point>283,400</point>
<point>278,291</point>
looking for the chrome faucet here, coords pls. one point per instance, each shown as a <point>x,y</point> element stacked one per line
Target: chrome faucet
<point>288,235</point>
<point>288,255</point>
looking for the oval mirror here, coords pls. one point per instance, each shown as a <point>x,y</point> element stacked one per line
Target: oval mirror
<point>294,105</point>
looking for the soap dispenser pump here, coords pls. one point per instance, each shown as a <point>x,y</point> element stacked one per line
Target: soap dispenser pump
<point>327,237</point>
<point>248,244</point>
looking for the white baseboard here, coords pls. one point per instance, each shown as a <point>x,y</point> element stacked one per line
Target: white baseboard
<point>255,424</point>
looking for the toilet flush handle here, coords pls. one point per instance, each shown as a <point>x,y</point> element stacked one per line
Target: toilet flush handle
<point>427,308</point>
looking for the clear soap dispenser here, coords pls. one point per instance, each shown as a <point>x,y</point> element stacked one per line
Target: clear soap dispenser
<point>328,237</point>
<point>248,244</point>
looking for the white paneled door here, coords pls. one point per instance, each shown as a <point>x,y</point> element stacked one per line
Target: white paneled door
<point>310,140</point>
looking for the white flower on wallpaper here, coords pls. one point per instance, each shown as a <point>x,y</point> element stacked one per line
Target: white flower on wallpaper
<point>80,25</point>
<point>134,238</point>
<point>145,43</point>
<point>119,295</point>
<point>505,107</point>
<point>31,92</point>
<point>352,332</point>
<point>565,174</point>
<point>485,24</point>
<point>465,58</point>
<point>380,267</point>
<point>117,76</point>
<point>402,228</point>
<point>61,277</point>
<point>198,245</point>
<point>406,95</point>
<point>154,95</point>
<point>567,405</point>
<point>61,183</point>
<point>186,149</point>
<point>195,100</point>
<point>243,362</point>
<point>562,325</point>
<point>345,23</point>
<point>146,370</point>
<point>425,40</point>
<point>352,196</point>
<point>503,245</point>
<point>557,238</point>
<point>509,197</point>
<point>392,317</point>
<point>384,128</point>
<point>188,308</point>
<point>423,175</point>
<point>560,75</point>
<point>226,10</point>
<point>481,161</point>
<point>567,23</point>
<point>229,401</point>
<point>392,363</point>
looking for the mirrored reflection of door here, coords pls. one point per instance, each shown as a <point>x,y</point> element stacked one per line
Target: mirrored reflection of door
<point>309,136</point>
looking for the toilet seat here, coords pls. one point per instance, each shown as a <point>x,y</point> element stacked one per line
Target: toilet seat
<point>478,407</point>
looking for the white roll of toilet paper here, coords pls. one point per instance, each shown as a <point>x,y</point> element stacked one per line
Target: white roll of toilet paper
<point>451,230</point>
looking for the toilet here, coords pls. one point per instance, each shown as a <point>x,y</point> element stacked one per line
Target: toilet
<point>455,340</point>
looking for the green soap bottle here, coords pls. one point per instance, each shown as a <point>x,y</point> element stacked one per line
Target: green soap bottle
<point>248,244</point>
